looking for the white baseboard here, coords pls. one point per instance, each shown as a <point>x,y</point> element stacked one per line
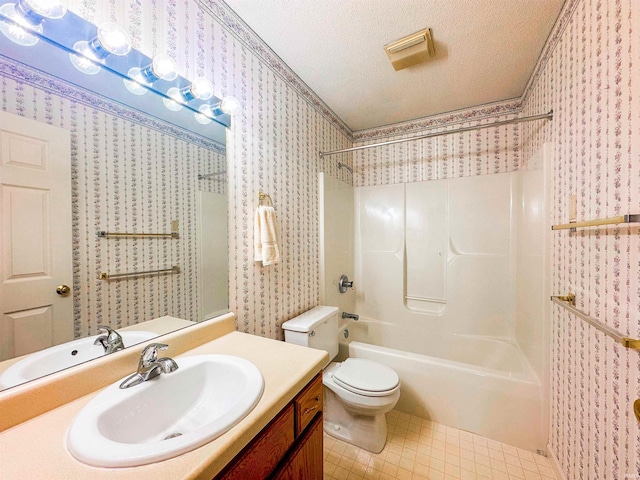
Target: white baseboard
<point>554,464</point>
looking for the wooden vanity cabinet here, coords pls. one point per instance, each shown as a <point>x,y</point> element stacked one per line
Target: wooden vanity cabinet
<point>305,460</point>
<point>290,447</point>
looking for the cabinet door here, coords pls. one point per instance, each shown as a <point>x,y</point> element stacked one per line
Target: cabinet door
<point>262,455</point>
<point>308,403</point>
<point>306,459</point>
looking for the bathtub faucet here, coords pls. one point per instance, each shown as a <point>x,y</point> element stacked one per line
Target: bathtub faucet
<point>353,316</point>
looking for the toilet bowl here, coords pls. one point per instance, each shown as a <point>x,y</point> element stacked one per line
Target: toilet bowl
<point>355,410</point>
<point>357,392</point>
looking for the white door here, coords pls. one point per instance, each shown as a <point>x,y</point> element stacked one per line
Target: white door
<point>35,236</point>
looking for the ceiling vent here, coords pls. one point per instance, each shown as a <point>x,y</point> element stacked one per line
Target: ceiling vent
<point>411,50</point>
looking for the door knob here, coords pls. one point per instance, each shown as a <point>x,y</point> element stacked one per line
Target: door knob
<point>63,290</point>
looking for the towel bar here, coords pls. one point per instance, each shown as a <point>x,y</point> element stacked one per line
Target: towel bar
<point>599,222</point>
<point>627,342</point>
<point>173,234</point>
<point>118,276</point>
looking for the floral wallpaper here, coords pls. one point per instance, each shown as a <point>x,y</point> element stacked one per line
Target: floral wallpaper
<point>590,75</point>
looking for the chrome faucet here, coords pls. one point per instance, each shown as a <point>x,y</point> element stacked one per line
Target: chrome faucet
<point>111,342</point>
<point>150,366</point>
<point>353,316</point>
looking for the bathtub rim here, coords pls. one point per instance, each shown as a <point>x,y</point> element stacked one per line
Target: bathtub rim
<point>528,376</point>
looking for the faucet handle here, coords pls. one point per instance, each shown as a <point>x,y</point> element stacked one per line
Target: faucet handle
<point>112,335</point>
<point>150,353</point>
<point>344,283</point>
<point>112,341</point>
<point>106,329</point>
<point>104,339</point>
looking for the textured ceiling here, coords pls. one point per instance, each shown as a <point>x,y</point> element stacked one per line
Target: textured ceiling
<point>485,51</point>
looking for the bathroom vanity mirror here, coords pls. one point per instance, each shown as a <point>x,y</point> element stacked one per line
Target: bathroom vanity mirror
<point>147,205</point>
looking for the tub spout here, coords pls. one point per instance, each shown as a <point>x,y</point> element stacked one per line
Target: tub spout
<point>352,316</point>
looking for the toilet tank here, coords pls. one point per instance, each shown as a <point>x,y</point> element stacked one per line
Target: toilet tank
<point>315,328</point>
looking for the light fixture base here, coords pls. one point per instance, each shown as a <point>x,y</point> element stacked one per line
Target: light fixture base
<point>411,50</point>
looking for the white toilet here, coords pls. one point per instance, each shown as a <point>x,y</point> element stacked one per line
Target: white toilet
<point>357,392</point>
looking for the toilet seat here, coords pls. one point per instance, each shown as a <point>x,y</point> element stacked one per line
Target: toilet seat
<point>365,377</point>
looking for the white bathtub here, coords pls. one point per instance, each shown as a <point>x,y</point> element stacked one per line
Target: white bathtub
<point>478,384</point>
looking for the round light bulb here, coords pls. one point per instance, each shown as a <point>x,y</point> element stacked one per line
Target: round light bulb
<point>13,28</point>
<point>174,103</point>
<point>164,67</point>
<point>112,38</point>
<point>230,105</point>
<point>36,10</point>
<point>201,88</point>
<point>136,82</point>
<point>85,59</point>
<point>204,117</point>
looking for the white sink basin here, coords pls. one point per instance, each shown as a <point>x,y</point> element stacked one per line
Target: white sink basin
<point>53,359</point>
<point>168,415</point>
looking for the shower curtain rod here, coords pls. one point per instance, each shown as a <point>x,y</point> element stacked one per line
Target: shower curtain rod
<point>544,116</point>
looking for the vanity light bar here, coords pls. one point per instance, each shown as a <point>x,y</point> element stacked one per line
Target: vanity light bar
<point>90,56</point>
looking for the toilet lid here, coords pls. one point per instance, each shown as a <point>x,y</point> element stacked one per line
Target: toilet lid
<point>366,377</point>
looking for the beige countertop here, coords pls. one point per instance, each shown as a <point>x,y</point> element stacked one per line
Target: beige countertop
<point>37,448</point>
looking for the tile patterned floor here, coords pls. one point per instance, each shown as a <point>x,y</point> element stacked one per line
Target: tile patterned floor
<point>418,449</point>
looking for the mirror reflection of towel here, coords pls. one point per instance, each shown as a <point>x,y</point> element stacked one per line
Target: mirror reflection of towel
<point>265,231</point>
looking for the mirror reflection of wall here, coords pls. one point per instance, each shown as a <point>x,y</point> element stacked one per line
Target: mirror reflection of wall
<point>129,173</point>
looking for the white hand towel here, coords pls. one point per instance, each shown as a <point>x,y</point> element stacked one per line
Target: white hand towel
<point>265,233</point>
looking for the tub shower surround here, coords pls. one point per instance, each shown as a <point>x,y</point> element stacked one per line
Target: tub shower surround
<point>446,313</point>
<point>129,173</point>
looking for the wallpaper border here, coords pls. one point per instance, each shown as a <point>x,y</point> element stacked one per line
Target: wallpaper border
<point>503,107</point>
<point>52,84</point>
<point>234,23</point>
<point>564,18</point>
